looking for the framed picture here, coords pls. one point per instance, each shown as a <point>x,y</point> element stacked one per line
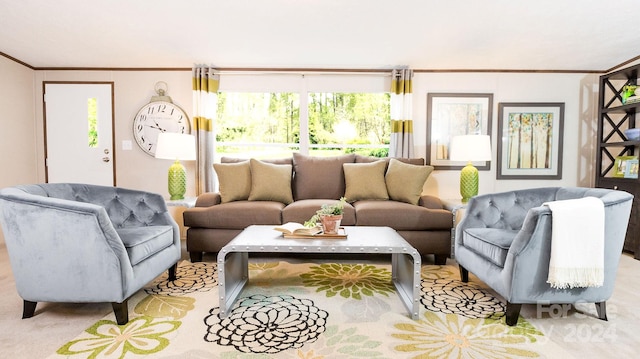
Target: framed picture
<point>631,169</point>
<point>453,114</point>
<point>625,166</point>
<point>530,145</point>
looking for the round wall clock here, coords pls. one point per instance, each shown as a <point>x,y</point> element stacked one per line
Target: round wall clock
<point>159,115</point>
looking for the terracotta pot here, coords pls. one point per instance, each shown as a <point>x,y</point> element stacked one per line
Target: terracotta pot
<point>330,223</point>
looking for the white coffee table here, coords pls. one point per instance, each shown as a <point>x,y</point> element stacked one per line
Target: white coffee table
<point>233,259</point>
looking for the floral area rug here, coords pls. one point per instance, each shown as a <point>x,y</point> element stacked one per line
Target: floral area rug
<point>311,311</point>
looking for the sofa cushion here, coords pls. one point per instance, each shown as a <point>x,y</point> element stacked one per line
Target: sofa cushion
<point>143,242</point>
<point>402,216</point>
<point>319,177</point>
<point>234,180</point>
<point>367,159</point>
<point>275,161</point>
<point>365,181</point>
<point>302,210</point>
<point>490,243</point>
<point>234,215</point>
<point>405,181</point>
<point>270,182</point>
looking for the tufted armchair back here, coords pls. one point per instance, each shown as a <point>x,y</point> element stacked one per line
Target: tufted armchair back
<point>505,210</point>
<point>125,207</point>
<point>508,210</point>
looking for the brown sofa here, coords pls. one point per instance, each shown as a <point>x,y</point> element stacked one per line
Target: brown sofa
<point>381,192</point>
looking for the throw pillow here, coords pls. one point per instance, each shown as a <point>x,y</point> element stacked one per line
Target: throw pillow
<point>270,182</point>
<point>365,181</point>
<point>405,181</point>
<point>234,180</point>
<point>319,177</point>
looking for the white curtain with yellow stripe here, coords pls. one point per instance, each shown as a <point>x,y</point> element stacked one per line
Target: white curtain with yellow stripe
<point>206,83</point>
<point>401,142</point>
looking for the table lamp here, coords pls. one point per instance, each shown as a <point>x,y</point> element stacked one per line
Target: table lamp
<point>470,148</point>
<point>176,146</point>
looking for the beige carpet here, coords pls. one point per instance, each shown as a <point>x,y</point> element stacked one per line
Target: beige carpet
<point>348,310</point>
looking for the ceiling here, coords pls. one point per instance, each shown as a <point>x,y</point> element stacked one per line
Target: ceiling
<point>545,35</point>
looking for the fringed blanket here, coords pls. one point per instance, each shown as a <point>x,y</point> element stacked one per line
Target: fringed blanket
<point>577,243</point>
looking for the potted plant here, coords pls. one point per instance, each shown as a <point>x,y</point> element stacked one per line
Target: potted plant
<point>329,216</point>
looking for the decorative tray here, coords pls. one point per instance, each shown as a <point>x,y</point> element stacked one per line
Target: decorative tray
<point>340,235</point>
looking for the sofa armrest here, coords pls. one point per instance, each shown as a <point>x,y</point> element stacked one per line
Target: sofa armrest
<point>208,199</point>
<point>431,202</point>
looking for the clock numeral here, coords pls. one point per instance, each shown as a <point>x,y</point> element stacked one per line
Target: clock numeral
<point>171,113</point>
<point>182,128</point>
<point>150,146</point>
<point>139,127</point>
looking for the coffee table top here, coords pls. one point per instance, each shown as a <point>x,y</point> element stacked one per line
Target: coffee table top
<point>360,239</point>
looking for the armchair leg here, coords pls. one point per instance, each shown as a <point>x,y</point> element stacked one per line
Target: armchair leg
<point>121,311</point>
<point>172,272</point>
<point>601,308</point>
<point>28,309</point>
<point>464,274</point>
<point>195,256</point>
<point>512,314</point>
<point>440,259</point>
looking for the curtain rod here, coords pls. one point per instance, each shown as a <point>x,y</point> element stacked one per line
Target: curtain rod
<point>298,71</point>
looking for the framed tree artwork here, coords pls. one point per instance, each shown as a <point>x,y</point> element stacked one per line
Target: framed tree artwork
<point>530,145</point>
<point>453,114</point>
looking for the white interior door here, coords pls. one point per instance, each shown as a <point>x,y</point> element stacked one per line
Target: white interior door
<point>79,133</point>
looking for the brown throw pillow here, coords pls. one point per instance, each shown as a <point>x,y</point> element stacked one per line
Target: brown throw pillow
<point>234,180</point>
<point>319,177</point>
<point>405,181</point>
<point>365,181</point>
<point>270,182</point>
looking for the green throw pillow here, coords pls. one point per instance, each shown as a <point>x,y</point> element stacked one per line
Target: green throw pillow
<point>270,182</point>
<point>234,180</point>
<point>405,181</point>
<point>365,181</point>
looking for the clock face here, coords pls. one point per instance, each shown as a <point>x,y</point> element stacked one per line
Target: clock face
<point>156,117</point>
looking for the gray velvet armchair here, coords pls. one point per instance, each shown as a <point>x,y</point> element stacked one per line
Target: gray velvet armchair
<point>505,240</point>
<point>84,243</point>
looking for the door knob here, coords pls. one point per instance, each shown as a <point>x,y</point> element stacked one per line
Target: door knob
<point>106,159</point>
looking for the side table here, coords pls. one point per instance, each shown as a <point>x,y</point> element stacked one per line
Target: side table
<point>457,207</point>
<point>185,202</point>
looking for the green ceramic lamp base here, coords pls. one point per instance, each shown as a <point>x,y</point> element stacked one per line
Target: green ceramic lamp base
<point>177,181</point>
<point>468,182</point>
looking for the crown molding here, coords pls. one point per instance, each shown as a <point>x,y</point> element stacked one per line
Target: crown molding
<point>296,69</point>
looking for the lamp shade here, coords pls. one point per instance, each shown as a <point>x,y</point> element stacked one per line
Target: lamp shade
<point>470,148</point>
<point>176,146</point>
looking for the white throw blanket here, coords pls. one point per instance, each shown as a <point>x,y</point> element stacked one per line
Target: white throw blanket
<point>577,243</point>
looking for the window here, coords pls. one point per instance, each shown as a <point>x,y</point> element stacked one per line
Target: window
<point>92,121</point>
<point>349,122</point>
<point>317,115</point>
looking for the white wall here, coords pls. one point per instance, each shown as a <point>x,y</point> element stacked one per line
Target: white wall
<point>577,91</point>
<point>17,125</point>
<point>22,121</point>
<point>133,89</point>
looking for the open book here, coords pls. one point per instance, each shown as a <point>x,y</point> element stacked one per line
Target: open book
<point>298,229</point>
